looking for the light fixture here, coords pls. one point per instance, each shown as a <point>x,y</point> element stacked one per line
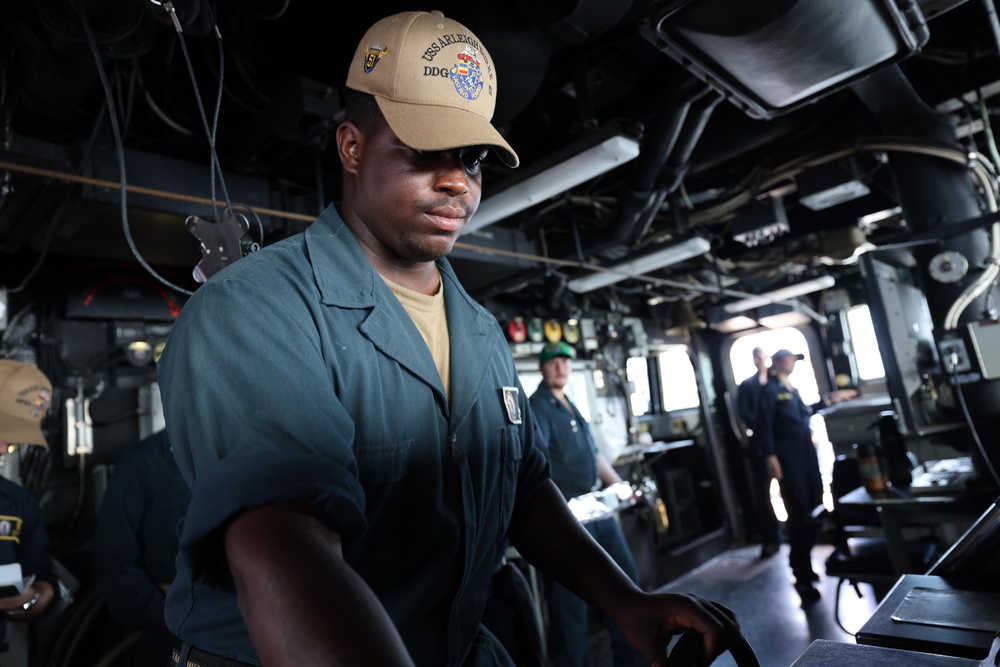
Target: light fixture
<point>581,167</point>
<point>139,353</point>
<point>835,195</point>
<point>734,324</point>
<point>634,268</point>
<point>832,183</point>
<point>890,216</point>
<point>778,295</point>
<point>781,317</point>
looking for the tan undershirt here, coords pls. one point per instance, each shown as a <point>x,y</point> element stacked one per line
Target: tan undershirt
<point>428,313</point>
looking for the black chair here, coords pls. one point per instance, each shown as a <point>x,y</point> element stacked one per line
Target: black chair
<point>861,553</point>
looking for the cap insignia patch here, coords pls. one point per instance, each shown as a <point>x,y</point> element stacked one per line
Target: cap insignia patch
<point>467,74</point>
<point>372,55</point>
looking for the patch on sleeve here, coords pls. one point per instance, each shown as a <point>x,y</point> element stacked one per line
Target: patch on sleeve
<point>10,528</point>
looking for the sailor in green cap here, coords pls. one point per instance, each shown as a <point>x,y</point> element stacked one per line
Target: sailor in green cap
<point>577,468</point>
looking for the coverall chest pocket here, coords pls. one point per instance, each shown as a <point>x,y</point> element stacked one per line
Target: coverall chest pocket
<point>511,463</point>
<point>382,462</point>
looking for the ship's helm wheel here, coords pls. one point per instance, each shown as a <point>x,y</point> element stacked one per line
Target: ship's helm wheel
<point>687,651</point>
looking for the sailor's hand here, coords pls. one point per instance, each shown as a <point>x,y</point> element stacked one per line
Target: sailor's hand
<point>16,602</point>
<point>774,467</point>
<point>651,623</point>
<point>840,395</point>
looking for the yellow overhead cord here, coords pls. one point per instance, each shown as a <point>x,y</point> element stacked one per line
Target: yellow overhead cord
<point>979,167</point>
<point>205,201</point>
<point>140,190</point>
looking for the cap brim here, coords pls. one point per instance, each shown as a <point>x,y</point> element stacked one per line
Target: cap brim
<point>19,432</point>
<point>439,128</point>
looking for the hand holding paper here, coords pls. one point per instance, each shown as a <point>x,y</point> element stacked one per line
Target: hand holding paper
<point>12,583</point>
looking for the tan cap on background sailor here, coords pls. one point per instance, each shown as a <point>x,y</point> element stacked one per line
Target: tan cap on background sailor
<point>25,397</point>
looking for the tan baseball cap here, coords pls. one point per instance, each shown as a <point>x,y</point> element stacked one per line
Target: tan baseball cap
<point>434,81</point>
<point>25,397</point>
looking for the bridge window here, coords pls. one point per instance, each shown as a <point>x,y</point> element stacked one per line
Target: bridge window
<point>674,377</point>
<point>637,373</point>
<point>864,344</point>
<point>803,377</point>
<point>678,385</point>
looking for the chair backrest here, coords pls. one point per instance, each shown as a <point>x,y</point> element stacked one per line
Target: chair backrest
<point>977,552</point>
<point>845,477</point>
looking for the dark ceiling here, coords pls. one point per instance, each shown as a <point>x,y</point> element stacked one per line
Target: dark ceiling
<point>570,72</point>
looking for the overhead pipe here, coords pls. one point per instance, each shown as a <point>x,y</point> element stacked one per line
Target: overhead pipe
<point>676,165</point>
<point>991,16</point>
<point>935,194</point>
<point>679,161</point>
<point>673,127</point>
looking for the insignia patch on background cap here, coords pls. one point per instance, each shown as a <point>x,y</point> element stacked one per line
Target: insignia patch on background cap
<point>467,75</point>
<point>25,398</point>
<point>37,400</point>
<point>510,404</point>
<point>372,55</point>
